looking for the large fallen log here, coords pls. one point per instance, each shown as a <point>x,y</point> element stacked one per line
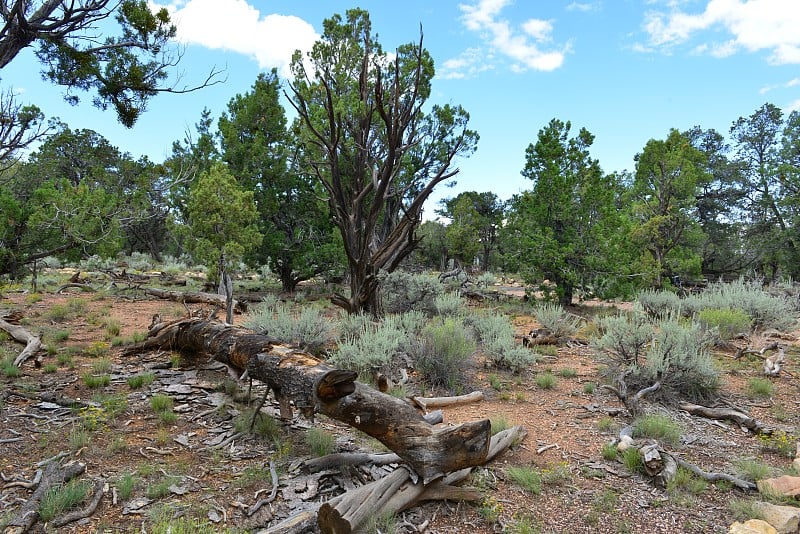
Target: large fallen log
<point>195,298</point>
<point>313,386</point>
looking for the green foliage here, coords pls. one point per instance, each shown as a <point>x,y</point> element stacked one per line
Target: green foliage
<point>308,329</point>
<point>264,425</point>
<point>671,352</point>
<point>141,380</point>
<point>498,424</point>
<point>101,366</point>
<point>526,478</point>
<point>685,481</point>
<point>375,200</point>
<point>632,460</point>
<point>401,292</point>
<point>63,498</point>
<point>442,352</point>
<point>377,343</point>
<point>546,380</point>
<point>556,319</point>
<point>742,509</point>
<point>764,309</point>
<point>384,524</point>
<point>566,229</point>
<point>567,372</point>
<point>161,403</point>
<point>125,484</point>
<point>658,303</point>
<point>320,442</point>
<point>726,323</point>
<point>496,336</point>
<point>609,452</point>
<point>8,368</point>
<point>222,220</point>
<point>299,240</point>
<point>760,387</point>
<point>657,427</point>
<point>449,304</point>
<point>474,222</point>
<point>78,438</point>
<point>780,442</point>
<point>96,381</point>
<point>753,470</point>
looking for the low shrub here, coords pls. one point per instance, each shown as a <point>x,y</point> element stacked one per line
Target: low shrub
<point>308,329</point>
<point>658,303</point>
<point>526,478</point>
<point>442,352</point>
<point>401,292</point>
<point>556,319</point>
<point>657,427</point>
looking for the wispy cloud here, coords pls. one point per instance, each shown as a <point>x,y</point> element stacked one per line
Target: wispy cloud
<point>794,82</point>
<point>237,26</point>
<point>583,6</point>
<point>527,45</point>
<point>750,25</point>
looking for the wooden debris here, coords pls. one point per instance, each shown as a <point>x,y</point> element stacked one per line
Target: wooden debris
<point>442,402</point>
<point>192,297</point>
<point>729,414</point>
<point>314,386</point>
<point>33,344</point>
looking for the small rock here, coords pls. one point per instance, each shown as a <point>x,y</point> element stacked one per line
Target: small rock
<point>135,506</point>
<point>178,490</point>
<point>183,439</point>
<point>752,526</point>
<point>786,486</point>
<point>179,389</point>
<point>624,442</point>
<point>214,517</point>
<point>785,519</point>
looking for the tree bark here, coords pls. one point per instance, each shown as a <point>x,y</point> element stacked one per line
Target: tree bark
<point>314,386</point>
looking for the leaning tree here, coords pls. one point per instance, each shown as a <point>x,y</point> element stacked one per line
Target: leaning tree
<point>368,141</point>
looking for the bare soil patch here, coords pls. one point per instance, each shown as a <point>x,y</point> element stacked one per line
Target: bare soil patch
<point>567,428</point>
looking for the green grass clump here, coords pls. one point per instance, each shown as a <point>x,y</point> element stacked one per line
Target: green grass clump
<point>96,381</point>
<point>546,380</point>
<point>264,425</point>
<point>685,481</point>
<point>568,373</point>
<point>8,368</point>
<point>96,349</point>
<point>50,368</point>
<point>498,424</point>
<point>125,485</point>
<point>62,498</point>
<point>78,438</point>
<point>589,387</point>
<point>161,403</point>
<point>657,427</point>
<point>752,469</point>
<point>320,442</point>
<point>760,387</point>
<point>632,460</point>
<point>609,452</point>
<point>103,365</point>
<point>527,478</point>
<point>141,380</point>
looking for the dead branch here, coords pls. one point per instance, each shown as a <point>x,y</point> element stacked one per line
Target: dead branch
<point>729,414</point>
<point>441,402</point>
<point>196,298</point>
<point>54,474</point>
<point>33,344</point>
<point>76,515</point>
<point>344,459</point>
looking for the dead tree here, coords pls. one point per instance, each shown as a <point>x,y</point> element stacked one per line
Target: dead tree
<point>313,386</point>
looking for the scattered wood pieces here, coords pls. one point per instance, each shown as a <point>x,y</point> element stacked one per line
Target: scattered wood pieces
<point>729,414</point>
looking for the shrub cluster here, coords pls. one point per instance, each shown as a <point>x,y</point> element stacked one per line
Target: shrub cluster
<point>442,352</point>
<point>307,329</point>
<point>496,335</point>
<point>556,319</point>
<point>639,353</point>
<point>401,292</point>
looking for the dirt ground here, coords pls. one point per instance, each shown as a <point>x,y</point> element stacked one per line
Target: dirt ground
<point>567,428</point>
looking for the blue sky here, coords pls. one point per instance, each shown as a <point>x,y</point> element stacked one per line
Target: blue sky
<point>628,71</point>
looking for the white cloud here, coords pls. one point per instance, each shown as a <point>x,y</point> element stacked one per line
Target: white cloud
<point>751,25</point>
<point>522,45</point>
<point>237,26</point>
<point>794,82</point>
<point>582,6</point>
<point>468,64</point>
<point>794,106</point>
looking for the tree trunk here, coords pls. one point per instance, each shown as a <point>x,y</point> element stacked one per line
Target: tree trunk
<point>314,386</point>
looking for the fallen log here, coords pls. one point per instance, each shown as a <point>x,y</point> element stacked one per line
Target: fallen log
<point>314,386</point>
<point>33,344</point>
<point>195,298</point>
<point>398,491</point>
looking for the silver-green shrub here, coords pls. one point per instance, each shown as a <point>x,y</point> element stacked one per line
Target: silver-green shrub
<point>486,279</point>
<point>639,353</point>
<point>496,336</point>
<point>449,304</point>
<point>442,352</point>
<point>723,323</point>
<point>556,319</point>
<point>366,345</point>
<point>401,292</point>
<point>765,310</point>
<point>307,329</point>
<point>658,303</point>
